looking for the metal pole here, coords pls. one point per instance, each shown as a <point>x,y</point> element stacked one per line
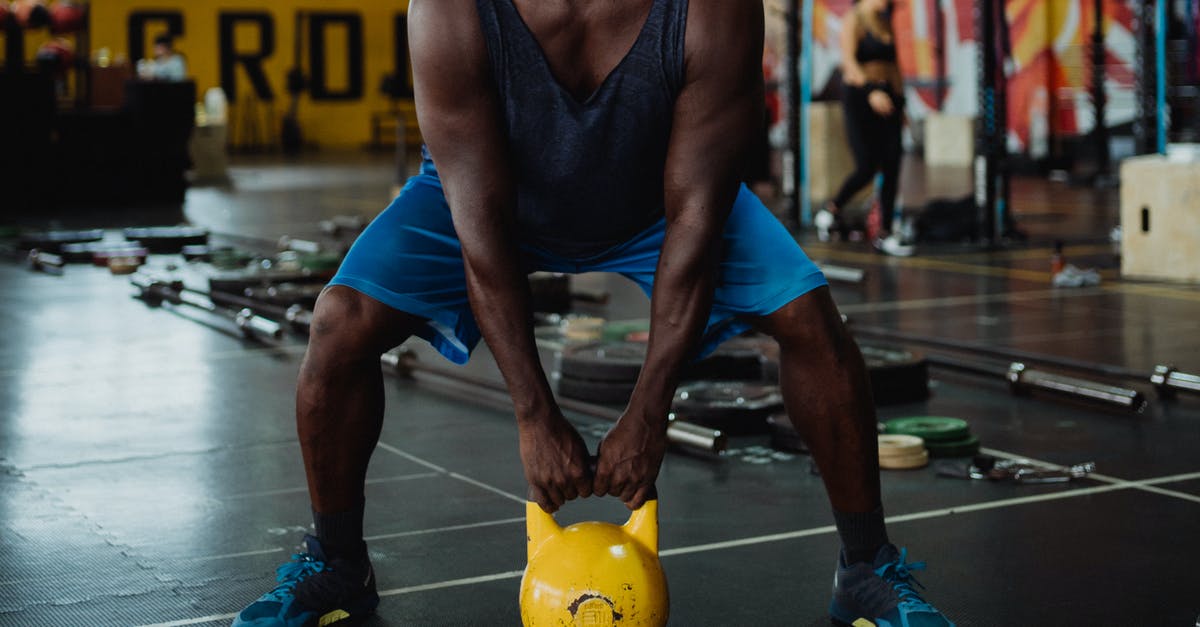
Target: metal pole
<point>1160,72</point>
<point>791,161</point>
<point>985,124</point>
<point>1145,125</point>
<point>939,27</point>
<point>1099,98</point>
<point>807,54</point>
<point>1001,218</point>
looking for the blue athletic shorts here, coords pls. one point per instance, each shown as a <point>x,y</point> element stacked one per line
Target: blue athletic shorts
<point>409,258</point>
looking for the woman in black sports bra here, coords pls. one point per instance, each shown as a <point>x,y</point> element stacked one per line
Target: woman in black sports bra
<point>873,105</point>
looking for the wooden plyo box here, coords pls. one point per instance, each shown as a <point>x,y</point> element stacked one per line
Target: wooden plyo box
<point>830,159</point>
<point>949,140</point>
<point>1160,219</point>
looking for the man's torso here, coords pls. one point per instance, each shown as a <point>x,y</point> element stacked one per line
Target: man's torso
<point>587,92</point>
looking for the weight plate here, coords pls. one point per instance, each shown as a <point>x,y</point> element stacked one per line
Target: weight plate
<point>102,254</point>
<point>286,294</point>
<point>965,447</point>
<point>53,241</point>
<point>909,462</point>
<point>739,359</point>
<point>167,239</point>
<point>603,361</point>
<point>606,392</point>
<point>897,375</point>
<point>236,281</point>
<point>550,292</point>
<point>735,407</point>
<point>582,328</point>
<point>326,263</point>
<point>722,395</point>
<point>930,428</point>
<point>900,446</point>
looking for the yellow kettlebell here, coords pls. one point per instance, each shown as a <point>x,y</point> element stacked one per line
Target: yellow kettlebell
<point>593,574</point>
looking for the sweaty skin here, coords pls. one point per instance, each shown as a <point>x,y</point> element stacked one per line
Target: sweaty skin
<point>716,114</point>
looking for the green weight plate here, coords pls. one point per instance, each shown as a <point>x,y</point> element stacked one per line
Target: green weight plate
<point>965,447</point>
<point>321,262</point>
<point>930,428</point>
<point>618,330</point>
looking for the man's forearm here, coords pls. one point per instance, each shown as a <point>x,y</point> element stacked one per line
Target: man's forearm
<point>679,308</point>
<point>499,293</point>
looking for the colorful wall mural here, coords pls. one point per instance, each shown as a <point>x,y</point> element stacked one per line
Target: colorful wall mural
<point>1049,73</point>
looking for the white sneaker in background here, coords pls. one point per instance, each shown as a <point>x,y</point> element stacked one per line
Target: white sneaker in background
<point>892,245</point>
<point>1072,276</point>
<point>823,220</point>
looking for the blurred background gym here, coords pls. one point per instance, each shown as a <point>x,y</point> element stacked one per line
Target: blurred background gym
<point>179,178</point>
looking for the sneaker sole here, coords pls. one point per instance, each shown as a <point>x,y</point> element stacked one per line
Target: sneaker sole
<point>840,617</point>
<point>352,614</point>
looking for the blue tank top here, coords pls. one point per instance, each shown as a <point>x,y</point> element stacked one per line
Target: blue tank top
<point>589,173</point>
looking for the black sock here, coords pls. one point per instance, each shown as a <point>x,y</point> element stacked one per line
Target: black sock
<point>862,534</point>
<point>341,533</point>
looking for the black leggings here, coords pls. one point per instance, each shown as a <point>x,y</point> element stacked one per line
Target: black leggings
<point>875,142</point>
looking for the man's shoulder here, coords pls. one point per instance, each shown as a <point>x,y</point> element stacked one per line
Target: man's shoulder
<point>441,9</point>
<point>716,28</point>
<point>720,22</point>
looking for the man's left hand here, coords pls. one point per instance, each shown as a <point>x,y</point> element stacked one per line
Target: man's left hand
<point>629,457</point>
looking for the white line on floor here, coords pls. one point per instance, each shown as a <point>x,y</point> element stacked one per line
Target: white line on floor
<point>401,534</point>
<point>512,574</point>
<point>413,458</point>
<point>246,495</point>
<point>195,621</point>
<point>453,475</point>
<point>492,489</point>
<point>977,299</point>
<point>1112,486</point>
<point>207,558</point>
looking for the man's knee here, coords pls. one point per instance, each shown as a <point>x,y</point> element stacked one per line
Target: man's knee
<point>810,322</point>
<point>351,323</point>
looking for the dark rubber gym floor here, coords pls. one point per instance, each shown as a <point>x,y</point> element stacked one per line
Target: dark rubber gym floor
<point>150,473</point>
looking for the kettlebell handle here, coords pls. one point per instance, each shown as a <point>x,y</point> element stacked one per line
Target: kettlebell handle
<point>641,526</point>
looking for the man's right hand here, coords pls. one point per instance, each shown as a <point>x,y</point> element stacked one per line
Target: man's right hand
<point>557,462</point>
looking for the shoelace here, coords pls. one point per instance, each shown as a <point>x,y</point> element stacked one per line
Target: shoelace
<point>292,573</point>
<point>899,574</point>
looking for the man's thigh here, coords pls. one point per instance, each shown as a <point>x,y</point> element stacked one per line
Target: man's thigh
<point>409,258</point>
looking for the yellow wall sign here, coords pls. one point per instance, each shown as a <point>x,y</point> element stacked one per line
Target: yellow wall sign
<point>344,48</point>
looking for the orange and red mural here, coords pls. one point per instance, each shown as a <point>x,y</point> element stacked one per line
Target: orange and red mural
<point>1049,74</point>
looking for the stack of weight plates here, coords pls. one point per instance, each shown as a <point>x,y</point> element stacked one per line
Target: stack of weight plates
<point>944,437</point>
<point>733,407</point>
<point>897,375</point>
<point>601,372</point>
<point>902,452</point>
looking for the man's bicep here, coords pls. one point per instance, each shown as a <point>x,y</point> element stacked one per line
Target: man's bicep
<point>718,114</point>
<point>455,101</point>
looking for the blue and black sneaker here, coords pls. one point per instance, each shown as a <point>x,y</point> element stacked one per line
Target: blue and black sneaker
<point>881,594</point>
<point>314,591</point>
